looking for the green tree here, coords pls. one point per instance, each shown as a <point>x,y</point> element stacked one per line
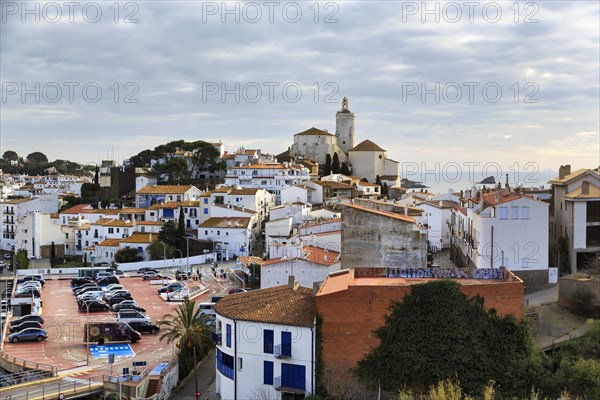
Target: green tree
<point>173,171</point>
<point>335,164</point>
<point>169,233</point>
<point>188,329</point>
<point>97,176</point>
<point>22,259</point>
<point>127,255</point>
<point>142,159</point>
<point>37,158</point>
<point>345,170</point>
<point>378,180</point>
<point>52,251</point>
<point>327,168</point>
<point>384,189</point>
<point>205,157</point>
<point>10,155</point>
<point>437,333</point>
<point>157,251</point>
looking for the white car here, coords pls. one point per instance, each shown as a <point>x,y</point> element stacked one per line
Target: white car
<point>132,316</point>
<point>113,287</point>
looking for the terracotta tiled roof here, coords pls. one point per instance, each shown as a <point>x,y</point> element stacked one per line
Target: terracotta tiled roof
<point>165,189</point>
<point>388,177</point>
<point>367,184</point>
<point>314,131</point>
<point>226,222</point>
<point>244,191</point>
<point>334,185</point>
<point>84,227</point>
<point>384,213</point>
<point>139,237</point>
<point>445,203</point>
<point>113,222</point>
<point>573,175</point>
<point>329,221</point>
<point>247,260</point>
<point>131,211</point>
<point>316,255</point>
<point>79,208</point>
<point>109,243</point>
<point>149,223</point>
<point>594,193</point>
<point>16,201</point>
<point>366,145</point>
<point>276,305</point>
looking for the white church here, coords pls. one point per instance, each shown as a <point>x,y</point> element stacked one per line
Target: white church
<point>366,160</point>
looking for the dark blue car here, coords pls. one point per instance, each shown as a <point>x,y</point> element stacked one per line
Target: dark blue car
<point>29,335</point>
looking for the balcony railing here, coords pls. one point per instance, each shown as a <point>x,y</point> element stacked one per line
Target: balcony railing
<point>283,351</point>
<point>289,385</point>
<point>216,337</point>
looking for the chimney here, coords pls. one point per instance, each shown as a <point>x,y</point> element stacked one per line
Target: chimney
<point>585,187</point>
<point>291,280</point>
<point>564,170</point>
<point>315,288</point>
<point>506,183</point>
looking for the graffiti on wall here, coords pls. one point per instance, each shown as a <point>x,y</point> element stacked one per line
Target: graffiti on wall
<point>450,273</point>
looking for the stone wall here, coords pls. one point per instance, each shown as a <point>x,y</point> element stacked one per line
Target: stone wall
<point>568,285</point>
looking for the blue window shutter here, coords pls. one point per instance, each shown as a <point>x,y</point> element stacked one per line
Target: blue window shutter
<point>268,341</point>
<point>206,211</point>
<point>268,373</point>
<point>205,201</point>
<point>228,336</point>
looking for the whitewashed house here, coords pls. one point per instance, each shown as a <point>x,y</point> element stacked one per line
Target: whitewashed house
<point>266,344</point>
<point>437,215</point>
<point>232,236</point>
<point>311,266</point>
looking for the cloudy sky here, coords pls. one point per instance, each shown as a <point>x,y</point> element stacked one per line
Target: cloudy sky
<point>502,82</point>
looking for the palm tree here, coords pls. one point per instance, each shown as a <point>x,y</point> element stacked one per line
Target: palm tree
<point>189,329</point>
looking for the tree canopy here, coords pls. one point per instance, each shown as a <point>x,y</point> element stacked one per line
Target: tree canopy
<point>335,164</point>
<point>327,168</point>
<point>438,333</point>
<point>10,155</point>
<point>37,158</point>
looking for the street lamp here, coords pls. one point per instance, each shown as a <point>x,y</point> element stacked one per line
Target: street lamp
<point>87,342</point>
<point>164,252</point>
<point>187,253</point>
<point>180,253</point>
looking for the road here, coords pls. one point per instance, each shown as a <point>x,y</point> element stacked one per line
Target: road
<point>206,379</point>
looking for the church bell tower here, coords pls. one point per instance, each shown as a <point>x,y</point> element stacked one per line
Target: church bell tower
<point>344,127</point>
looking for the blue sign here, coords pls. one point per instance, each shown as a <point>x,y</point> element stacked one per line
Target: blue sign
<point>119,350</point>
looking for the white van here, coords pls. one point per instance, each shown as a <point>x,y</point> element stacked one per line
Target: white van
<point>207,309</point>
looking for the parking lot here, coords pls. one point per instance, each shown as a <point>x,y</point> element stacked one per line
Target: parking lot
<point>64,323</point>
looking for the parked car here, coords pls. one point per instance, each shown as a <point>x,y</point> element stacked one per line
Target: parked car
<point>132,302</point>
<point>117,299</point>
<point>117,292</point>
<point>181,275</point>
<point>112,286</point>
<point>97,295</point>
<point>147,269</point>
<point>29,335</point>
<point>171,287</point>
<point>27,292</point>
<point>89,284</point>
<point>110,332</point>
<point>88,289</point>
<point>236,290</point>
<point>144,327</point>
<point>120,306</point>
<point>29,285</point>
<point>2,265</point>
<point>80,281</point>
<point>26,318</point>
<point>94,305</point>
<point>25,325</point>
<point>32,277</point>
<point>132,316</point>
<point>102,275</point>
<point>108,280</point>
<point>7,256</point>
<point>207,309</point>
<point>151,275</point>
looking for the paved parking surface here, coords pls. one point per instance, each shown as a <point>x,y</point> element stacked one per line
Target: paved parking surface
<point>65,347</point>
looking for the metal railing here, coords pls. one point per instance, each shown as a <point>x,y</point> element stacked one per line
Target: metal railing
<point>283,350</point>
<point>53,369</point>
<point>77,387</point>
<point>27,376</point>
<point>295,385</point>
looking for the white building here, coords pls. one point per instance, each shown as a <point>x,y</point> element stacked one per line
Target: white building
<point>36,230</point>
<point>367,189</point>
<point>315,144</point>
<point>232,236</point>
<point>266,344</point>
<point>369,161</point>
<point>310,267</point>
<point>437,215</point>
<point>575,213</point>
<point>271,177</point>
<point>505,228</point>
<point>11,210</point>
<point>150,195</point>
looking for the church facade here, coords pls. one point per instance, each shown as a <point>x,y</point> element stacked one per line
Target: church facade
<point>366,160</point>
